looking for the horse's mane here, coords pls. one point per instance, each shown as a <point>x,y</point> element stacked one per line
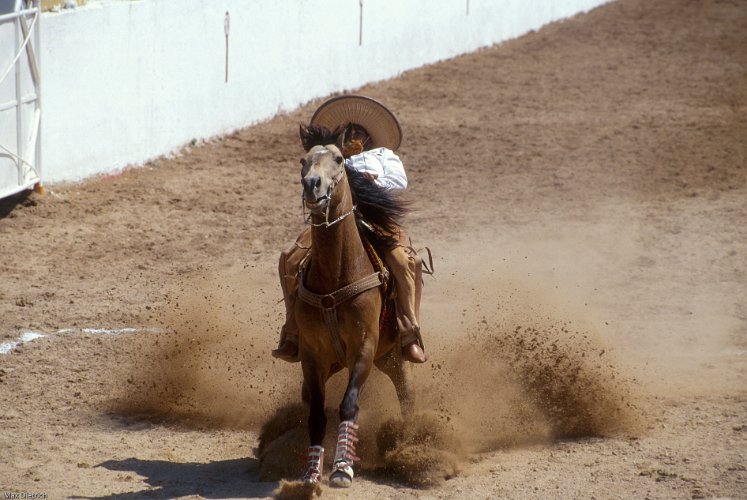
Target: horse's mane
<point>380,211</point>
<point>316,135</point>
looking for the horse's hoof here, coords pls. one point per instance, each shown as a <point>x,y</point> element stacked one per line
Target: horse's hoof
<point>340,479</point>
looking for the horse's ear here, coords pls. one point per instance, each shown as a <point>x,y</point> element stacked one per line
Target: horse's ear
<point>307,136</point>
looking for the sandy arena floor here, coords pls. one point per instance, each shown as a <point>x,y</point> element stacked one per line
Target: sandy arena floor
<point>583,189</point>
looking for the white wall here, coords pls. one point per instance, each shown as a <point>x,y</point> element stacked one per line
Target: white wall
<point>124,81</point>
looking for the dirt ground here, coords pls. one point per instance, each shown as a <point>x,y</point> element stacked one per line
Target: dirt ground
<point>583,189</point>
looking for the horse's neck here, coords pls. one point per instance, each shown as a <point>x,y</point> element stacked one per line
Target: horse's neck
<point>337,253</point>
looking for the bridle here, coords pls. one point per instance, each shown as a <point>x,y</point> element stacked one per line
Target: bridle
<point>330,189</point>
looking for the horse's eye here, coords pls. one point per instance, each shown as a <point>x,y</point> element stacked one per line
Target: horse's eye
<point>303,162</point>
<point>338,159</point>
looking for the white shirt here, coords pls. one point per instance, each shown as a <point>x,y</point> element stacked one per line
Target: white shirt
<point>388,168</point>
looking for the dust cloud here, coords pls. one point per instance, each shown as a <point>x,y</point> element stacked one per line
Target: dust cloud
<point>210,366</point>
<point>508,368</point>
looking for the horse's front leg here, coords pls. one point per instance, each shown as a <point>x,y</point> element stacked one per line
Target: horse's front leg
<point>347,434</point>
<point>313,395</point>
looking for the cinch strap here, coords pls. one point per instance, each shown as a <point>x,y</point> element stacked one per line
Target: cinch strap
<point>328,304</point>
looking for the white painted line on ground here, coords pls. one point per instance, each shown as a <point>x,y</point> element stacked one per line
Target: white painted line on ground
<point>106,331</point>
<point>6,347</point>
<point>25,337</point>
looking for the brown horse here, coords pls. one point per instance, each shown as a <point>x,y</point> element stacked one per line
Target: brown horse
<point>341,297</point>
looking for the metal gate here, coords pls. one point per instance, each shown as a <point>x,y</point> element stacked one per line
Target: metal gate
<point>20,97</point>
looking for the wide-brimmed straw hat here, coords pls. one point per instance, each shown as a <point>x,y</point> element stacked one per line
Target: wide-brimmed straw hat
<point>380,123</point>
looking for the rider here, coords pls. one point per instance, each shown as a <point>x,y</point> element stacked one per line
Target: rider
<point>369,149</point>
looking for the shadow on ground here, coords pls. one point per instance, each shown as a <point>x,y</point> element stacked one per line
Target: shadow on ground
<point>220,479</point>
<point>9,203</point>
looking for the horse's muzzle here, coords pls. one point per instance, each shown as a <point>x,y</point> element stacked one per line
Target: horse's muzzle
<point>311,184</point>
<point>316,206</point>
<point>314,200</point>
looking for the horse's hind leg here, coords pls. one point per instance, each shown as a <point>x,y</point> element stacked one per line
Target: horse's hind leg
<point>394,367</point>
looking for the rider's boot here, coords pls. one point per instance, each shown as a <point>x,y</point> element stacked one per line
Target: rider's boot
<point>288,346</point>
<point>405,265</point>
<point>288,270</point>
<point>412,349</point>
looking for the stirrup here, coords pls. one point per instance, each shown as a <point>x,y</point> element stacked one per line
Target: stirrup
<point>410,338</point>
<point>282,352</point>
<point>284,346</point>
<point>413,353</point>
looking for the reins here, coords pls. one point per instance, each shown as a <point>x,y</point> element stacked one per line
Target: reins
<point>326,222</point>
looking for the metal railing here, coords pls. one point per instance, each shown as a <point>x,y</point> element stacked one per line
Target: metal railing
<point>25,154</point>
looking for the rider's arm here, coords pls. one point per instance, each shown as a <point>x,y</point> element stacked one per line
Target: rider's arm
<point>394,176</point>
<point>384,165</point>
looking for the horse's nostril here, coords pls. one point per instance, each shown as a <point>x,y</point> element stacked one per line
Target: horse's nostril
<point>310,183</point>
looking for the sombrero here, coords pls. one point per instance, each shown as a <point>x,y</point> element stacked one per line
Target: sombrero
<point>380,123</point>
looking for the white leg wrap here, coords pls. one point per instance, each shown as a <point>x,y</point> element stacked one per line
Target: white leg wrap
<point>314,465</point>
<point>347,437</point>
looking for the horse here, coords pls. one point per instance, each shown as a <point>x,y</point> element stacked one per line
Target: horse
<point>341,299</point>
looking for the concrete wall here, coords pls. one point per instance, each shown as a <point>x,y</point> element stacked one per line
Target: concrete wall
<point>125,81</point>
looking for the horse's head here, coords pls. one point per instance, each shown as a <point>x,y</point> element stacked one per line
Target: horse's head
<point>322,168</point>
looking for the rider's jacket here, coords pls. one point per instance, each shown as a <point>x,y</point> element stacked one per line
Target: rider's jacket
<point>388,168</point>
